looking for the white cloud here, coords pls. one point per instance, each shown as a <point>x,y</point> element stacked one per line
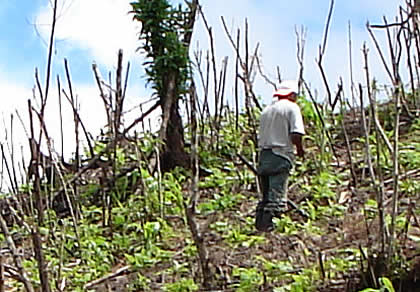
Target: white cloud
<point>101,27</point>
<point>272,24</point>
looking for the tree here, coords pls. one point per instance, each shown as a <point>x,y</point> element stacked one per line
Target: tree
<point>166,34</point>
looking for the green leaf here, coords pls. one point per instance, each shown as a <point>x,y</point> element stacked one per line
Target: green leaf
<point>387,284</point>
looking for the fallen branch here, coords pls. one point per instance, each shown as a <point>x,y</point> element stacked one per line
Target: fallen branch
<point>16,256</point>
<point>105,278</point>
<point>409,173</point>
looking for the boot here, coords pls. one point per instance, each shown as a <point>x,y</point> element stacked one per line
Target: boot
<point>263,221</point>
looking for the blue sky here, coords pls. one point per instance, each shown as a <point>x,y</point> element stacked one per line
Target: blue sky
<point>93,30</point>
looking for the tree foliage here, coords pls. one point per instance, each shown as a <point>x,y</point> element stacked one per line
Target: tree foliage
<point>162,31</point>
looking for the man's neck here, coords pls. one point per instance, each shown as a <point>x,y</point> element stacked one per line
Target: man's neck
<point>286,97</point>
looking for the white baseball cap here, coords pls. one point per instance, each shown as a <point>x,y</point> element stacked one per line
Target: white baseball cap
<point>287,87</point>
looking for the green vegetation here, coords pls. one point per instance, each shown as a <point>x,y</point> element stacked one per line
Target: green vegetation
<point>118,219</point>
<point>149,233</point>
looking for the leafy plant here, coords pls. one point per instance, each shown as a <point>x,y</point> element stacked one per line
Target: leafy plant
<point>249,279</point>
<point>187,285</point>
<point>385,286</point>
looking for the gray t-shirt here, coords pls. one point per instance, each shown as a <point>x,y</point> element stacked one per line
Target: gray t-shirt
<point>277,122</point>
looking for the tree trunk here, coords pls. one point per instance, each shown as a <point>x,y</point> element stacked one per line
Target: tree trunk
<point>172,130</point>
<point>174,153</point>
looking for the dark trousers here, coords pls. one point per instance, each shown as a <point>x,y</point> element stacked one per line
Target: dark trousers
<point>273,172</point>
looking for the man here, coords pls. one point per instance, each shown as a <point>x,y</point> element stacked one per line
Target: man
<point>281,127</point>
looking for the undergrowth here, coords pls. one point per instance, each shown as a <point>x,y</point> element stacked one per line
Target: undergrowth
<point>148,232</point>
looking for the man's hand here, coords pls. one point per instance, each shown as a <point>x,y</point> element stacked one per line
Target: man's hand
<point>297,140</point>
<point>300,152</point>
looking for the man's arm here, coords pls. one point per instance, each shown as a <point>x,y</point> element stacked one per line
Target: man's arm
<point>297,141</point>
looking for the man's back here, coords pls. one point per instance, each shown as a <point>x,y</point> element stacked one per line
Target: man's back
<point>277,122</point>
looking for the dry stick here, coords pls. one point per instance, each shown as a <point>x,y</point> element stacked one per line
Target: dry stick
<point>321,265</point>
<point>206,97</point>
<point>408,217</point>
<point>206,108</point>
<point>50,51</point>
<point>395,55</point>
<point>245,79</point>
<point>408,43</point>
<point>111,106</point>
<point>42,264</point>
<point>366,133</point>
<point>107,106</point>
<point>43,97</point>
<point>382,133</point>
<point>140,119</point>
<point>205,84</point>
<point>73,103</point>
<point>38,86</point>
<point>398,24</point>
<point>248,87</point>
<point>118,96</point>
<point>245,69</point>
<point>395,59</point>
<point>198,62</point>
<point>236,83</point>
<point>60,108</point>
<point>352,86</point>
<point>278,74</point>
<point>221,91</point>
<point>403,100</point>
<point>381,55</point>
<point>12,153</point>
<point>253,58</point>
<point>380,186</point>
<point>348,145</point>
<point>375,119</point>
<point>338,94</point>
<point>142,122</point>
<point>117,124</point>
<point>395,172</point>
<point>76,115</point>
<point>1,273</point>
<point>105,278</point>
<point>370,267</point>
<point>2,171</point>
<point>9,174</point>
<point>300,52</point>
<point>12,272</point>
<point>223,84</point>
<point>265,77</point>
<point>64,189</point>
<point>61,254</point>
<point>236,47</point>
<point>125,84</point>
<point>416,92</point>
<point>159,176</point>
<point>321,54</point>
<point>34,167</point>
<point>321,119</point>
<point>245,66</point>
<point>416,36</point>
<point>16,257</point>
<point>190,209</point>
<point>214,67</point>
